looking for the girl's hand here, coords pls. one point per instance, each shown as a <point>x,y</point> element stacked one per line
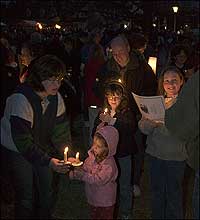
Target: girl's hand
<point>150,122</point>
<point>105,117</point>
<point>58,166</point>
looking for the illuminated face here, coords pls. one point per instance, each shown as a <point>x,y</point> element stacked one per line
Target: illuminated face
<point>181,58</point>
<point>120,54</point>
<point>26,57</point>
<point>114,100</point>
<point>172,83</point>
<point>97,146</point>
<point>51,85</point>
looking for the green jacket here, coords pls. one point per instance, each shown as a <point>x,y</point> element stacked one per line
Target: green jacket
<point>182,119</point>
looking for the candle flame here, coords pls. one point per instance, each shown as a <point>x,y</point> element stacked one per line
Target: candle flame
<point>39,25</point>
<point>105,110</point>
<point>77,156</point>
<point>66,149</point>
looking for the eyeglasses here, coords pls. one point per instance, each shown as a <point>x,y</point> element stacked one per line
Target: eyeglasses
<point>57,79</point>
<point>113,97</point>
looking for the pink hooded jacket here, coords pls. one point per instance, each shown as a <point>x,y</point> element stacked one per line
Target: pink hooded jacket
<point>100,178</point>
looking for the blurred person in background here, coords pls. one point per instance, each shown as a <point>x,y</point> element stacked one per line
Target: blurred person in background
<point>9,74</point>
<point>29,51</point>
<point>179,56</point>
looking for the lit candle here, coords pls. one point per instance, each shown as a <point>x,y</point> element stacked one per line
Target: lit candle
<point>77,157</point>
<point>65,154</point>
<point>105,110</point>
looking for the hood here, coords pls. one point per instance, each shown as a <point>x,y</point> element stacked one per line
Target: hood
<point>111,136</point>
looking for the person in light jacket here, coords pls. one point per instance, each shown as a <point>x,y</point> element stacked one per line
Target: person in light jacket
<point>166,153</point>
<point>99,173</point>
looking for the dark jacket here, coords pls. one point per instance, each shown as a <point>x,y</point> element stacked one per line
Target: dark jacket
<point>126,126</point>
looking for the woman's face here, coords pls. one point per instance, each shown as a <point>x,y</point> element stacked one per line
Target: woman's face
<point>114,100</point>
<point>172,83</point>
<point>181,58</point>
<point>51,85</point>
<point>26,57</point>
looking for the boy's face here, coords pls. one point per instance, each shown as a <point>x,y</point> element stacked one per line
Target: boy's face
<point>114,100</point>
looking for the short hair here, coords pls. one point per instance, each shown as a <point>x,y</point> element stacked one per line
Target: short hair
<point>161,90</point>
<point>42,68</point>
<point>120,40</point>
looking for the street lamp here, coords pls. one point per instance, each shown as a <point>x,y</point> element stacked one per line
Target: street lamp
<point>175,10</point>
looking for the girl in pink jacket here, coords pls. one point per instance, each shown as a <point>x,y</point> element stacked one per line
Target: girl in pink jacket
<point>99,172</point>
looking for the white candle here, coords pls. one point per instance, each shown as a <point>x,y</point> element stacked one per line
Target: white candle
<point>77,157</point>
<point>105,110</point>
<point>65,154</point>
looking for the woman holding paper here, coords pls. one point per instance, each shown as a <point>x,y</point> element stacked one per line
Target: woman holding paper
<point>167,154</point>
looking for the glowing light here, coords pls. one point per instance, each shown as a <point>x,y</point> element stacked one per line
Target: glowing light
<point>57,26</point>
<point>175,9</point>
<point>152,62</point>
<point>39,25</point>
<point>119,80</point>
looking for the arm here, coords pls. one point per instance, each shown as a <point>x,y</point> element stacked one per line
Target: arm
<point>147,126</point>
<point>99,178</point>
<point>182,119</point>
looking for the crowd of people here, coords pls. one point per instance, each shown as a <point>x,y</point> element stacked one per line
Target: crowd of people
<point>46,84</point>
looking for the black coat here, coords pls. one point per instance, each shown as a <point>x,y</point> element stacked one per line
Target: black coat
<point>126,126</point>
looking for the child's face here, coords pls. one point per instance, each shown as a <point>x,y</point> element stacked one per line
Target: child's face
<point>97,146</point>
<point>172,83</point>
<point>114,100</point>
